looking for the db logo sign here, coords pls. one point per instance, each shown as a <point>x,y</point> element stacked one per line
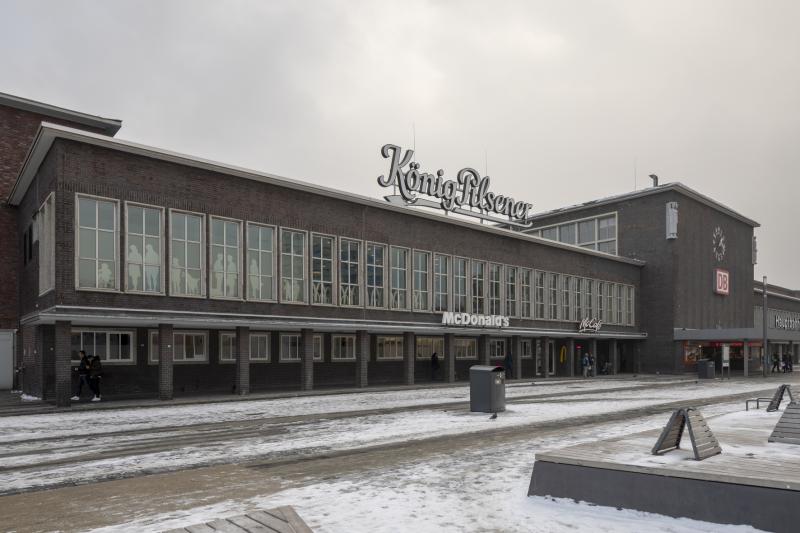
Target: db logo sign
<point>722,282</point>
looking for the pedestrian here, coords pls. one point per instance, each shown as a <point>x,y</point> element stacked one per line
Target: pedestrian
<point>775,363</point>
<point>83,376</point>
<point>585,365</point>
<point>785,363</point>
<point>509,363</point>
<point>95,374</point>
<point>591,365</point>
<point>434,366</point>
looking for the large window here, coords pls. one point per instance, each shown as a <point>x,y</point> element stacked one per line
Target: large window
<point>607,234</point>
<point>460,284</point>
<point>629,306</point>
<point>466,348</point>
<point>187,346</point>
<point>601,290</point>
<point>495,287</point>
<point>290,347</point>
<point>293,271</point>
<point>427,346</point>
<point>349,279</point>
<point>259,347</point>
<point>526,347</point>
<point>322,269</point>
<point>97,244</point>
<point>497,348</point>
<point>511,291</point>
<point>421,292</point>
<point>588,298</point>
<point>399,266</point>
<point>567,233</point>
<point>596,233</point>
<point>225,253</point>
<point>478,287</point>
<point>578,295</point>
<point>344,348</point>
<point>227,347</point>
<point>260,262</point>
<point>144,248</point>
<point>376,286</point>
<point>610,311</point>
<point>111,346</point>
<point>552,297</point>
<point>47,244</point>
<point>540,293</point>
<point>619,304</point>
<point>389,348</point>
<point>566,297</point>
<point>441,268</point>
<point>186,254</point>
<point>318,354</point>
<point>525,281</point>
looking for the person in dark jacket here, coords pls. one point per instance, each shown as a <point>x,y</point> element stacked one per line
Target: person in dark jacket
<point>83,376</point>
<point>434,366</point>
<point>95,373</point>
<point>775,363</point>
<point>509,364</point>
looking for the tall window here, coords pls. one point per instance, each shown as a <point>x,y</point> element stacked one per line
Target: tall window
<point>578,295</point>
<point>399,267</point>
<point>588,298</point>
<point>525,292</point>
<point>466,348</point>
<point>607,234</point>
<point>610,312</point>
<point>260,262</point>
<point>293,272</point>
<point>47,244</point>
<point>186,255</point>
<point>111,346</point>
<point>349,280</point>
<point>601,290</point>
<point>526,347</point>
<point>566,297</point>
<point>478,287</point>
<point>567,233</point>
<point>495,286</point>
<point>629,306</point>
<point>587,235</point>
<point>321,269</point>
<point>143,249</point>
<point>389,348</point>
<point>344,348</point>
<point>225,275</point>
<point>290,347</point>
<point>596,233</point>
<point>227,343</point>
<point>540,293</point>
<point>497,348</point>
<point>317,355</point>
<point>460,277</point>
<point>376,286</point>
<point>552,299</point>
<point>190,346</point>
<point>511,291</point>
<point>441,267</point>
<point>421,292</point>
<point>427,346</point>
<point>97,244</point>
<point>620,307</point>
<point>259,347</point>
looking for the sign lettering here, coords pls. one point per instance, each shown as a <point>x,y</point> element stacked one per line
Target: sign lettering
<point>467,319</point>
<point>590,325</point>
<point>722,282</point>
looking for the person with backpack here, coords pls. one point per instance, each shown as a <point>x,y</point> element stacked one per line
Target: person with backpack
<point>585,365</point>
<point>95,374</point>
<point>83,376</point>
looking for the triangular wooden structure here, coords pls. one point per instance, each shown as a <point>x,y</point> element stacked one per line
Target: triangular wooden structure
<point>704,443</point>
<point>775,402</point>
<point>787,429</point>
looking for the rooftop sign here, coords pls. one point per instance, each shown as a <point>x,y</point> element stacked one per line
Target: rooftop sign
<point>469,190</point>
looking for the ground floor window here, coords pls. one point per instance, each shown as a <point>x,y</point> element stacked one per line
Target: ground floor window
<point>389,348</point>
<point>111,346</point>
<point>259,347</point>
<point>344,348</point>
<point>319,354</point>
<point>290,347</point>
<point>427,346</point>
<point>526,349</point>
<point>497,348</point>
<point>227,341</point>
<point>466,348</point>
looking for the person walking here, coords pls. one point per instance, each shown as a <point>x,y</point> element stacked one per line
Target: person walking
<point>434,366</point>
<point>591,365</point>
<point>509,364</point>
<point>585,365</point>
<point>775,363</point>
<point>83,376</point>
<point>95,373</point>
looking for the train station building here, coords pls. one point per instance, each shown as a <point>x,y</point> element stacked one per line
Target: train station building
<point>189,276</point>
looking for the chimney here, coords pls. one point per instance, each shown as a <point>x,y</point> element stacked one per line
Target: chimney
<point>655,180</point>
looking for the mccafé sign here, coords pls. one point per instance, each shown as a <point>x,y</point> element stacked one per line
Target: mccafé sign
<point>467,319</point>
<point>590,325</point>
<point>468,190</point>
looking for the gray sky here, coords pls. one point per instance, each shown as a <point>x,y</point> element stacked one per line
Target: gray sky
<point>564,97</point>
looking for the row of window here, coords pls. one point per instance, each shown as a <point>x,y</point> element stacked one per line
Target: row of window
<point>340,269</point>
<point>596,233</point>
<point>191,346</point>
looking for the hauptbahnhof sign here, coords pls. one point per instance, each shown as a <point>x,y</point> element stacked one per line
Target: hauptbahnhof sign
<point>468,190</point>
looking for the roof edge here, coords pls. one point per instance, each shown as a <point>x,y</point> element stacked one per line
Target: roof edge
<point>109,125</point>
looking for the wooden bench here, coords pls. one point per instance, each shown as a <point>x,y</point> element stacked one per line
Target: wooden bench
<point>774,402</point>
<point>277,520</point>
<point>704,443</point>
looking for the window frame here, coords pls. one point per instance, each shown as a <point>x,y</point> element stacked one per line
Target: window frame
<point>491,299</point>
<point>50,241</point>
<point>203,332</point>
<point>321,357</point>
<point>108,331</point>
<point>522,344</point>
<point>397,341</point>
<point>210,245</point>
<point>340,358</point>
<point>282,358</point>
<point>360,270</point>
<point>460,341</point>
<point>334,268</point>
<point>428,287</point>
<point>407,289</point>
<point>77,229</point>
<point>384,269</point>
<point>481,297</point>
<point>434,340</point>
<point>521,289</point>
<point>256,334</point>
<point>163,266</point>
<point>494,342</point>
<point>591,244</point>
<point>467,284</point>
<point>306,269</point>
<point>220,335</point>
<point>516,286</point>
<point>274,229</point>
<point>203,253</point>
<point>448,261</point>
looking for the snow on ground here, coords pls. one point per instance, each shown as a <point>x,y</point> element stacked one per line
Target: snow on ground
<point>318,436</point>
<point>467,490</point>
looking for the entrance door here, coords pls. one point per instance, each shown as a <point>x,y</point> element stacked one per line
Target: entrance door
<point>551,357</point>
<point>6,359</point>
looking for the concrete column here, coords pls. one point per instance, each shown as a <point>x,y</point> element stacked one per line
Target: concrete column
<point>746,357</point>
<point>307,359</point>
<point>571,357</point>
<point>516,357</point>
<point>362,358</point>
<point>409,349</point>
<point>165,358</point>
<point>614,349</point>
<point>63,368</point>
<point>242,361</point>
<point>449,358</point>
<point>545,357</point>
<point>594,354</point>
<point>483,350</point>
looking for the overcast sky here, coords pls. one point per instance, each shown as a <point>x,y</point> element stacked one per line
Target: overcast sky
<point>564,99</point>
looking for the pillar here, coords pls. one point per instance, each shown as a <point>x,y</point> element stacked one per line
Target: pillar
<point>165,358</point>
<point>593,352</point>
<point>242,357</point>
<point>362,358</point>
<point>483,350</point>
<point>449,358</point>
<point>571,357</point>
<point>546,357</point>
<point>63,363</point>
<point>516,357</point>
<point>409,348</point>
<point>307,359</point>
<point>613,348</point>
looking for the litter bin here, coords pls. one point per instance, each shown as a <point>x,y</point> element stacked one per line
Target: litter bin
<point>705,369</point>
<point>487,389</point>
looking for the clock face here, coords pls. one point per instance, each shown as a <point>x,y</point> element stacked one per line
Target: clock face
<point>718,243</point>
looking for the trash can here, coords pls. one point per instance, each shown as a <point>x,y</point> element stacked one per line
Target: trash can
<point>706,369</point>
<point>487,389</point>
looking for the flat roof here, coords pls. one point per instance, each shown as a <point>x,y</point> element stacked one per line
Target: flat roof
<point>109,125</point>
<point>658,189</point>
<point>48,132</point>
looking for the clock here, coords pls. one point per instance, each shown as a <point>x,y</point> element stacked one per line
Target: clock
<point>718,243</point>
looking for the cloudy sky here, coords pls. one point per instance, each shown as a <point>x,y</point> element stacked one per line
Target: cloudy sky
<point>566,101</point>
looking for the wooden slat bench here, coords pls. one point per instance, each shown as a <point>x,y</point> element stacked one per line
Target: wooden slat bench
<point>277,520</point>
<point>774,402</point>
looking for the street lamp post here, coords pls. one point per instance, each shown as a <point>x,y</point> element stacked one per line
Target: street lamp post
<point>764,340</point>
